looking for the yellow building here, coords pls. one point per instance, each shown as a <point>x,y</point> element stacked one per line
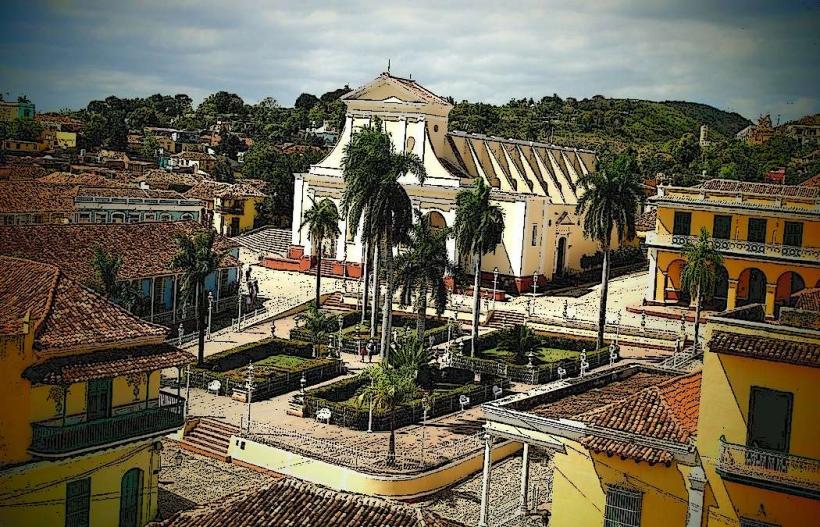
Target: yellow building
<point>16,145</point>
<point>82,411</point>
<point>769,236</point>
<point>760,419</point>
<point>622,446</point>
<point>636,446</point>
<point>232,207</point>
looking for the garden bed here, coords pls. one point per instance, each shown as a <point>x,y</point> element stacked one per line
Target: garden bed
<point>347,410</point>
<point>279,365</point>
<point>549,354</point>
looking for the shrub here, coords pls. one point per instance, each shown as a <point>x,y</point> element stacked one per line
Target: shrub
<point>240,356</point>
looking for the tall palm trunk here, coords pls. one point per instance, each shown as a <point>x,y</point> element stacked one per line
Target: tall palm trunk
<point>604,293</point>
<point>318,270</point>
<point>391,446</point>
<point>697,320</point>
<point>366,279</point>
<point>421,317</point>
<point>387,312</point>
<point>476,300</point>
<point>200,324</point>
<point>374,305</point>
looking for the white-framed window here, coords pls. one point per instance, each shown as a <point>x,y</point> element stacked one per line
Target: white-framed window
<point>117,217</point>
<point>187,216</point>
<point>623,507</point>
<point>150,217</point>
<point>84,217</point>
<point>165,217</point>
<point>534,234</point>
<point>100,217</point>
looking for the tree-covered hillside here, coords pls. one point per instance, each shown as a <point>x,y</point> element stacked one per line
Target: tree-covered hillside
<point>598,122</point>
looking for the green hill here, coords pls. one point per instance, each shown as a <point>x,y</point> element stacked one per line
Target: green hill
<point>646,126</point>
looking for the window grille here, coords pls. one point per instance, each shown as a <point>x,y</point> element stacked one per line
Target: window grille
<point>623,508</point>
<point>77,503</point>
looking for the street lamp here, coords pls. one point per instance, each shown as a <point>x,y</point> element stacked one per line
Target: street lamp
<point>425,404</point>
<point>180,331</point>
<point>341,320</point>
<point>249,387</point>
<point>534,284</point>
<point>210,311</point>
<point>302,384</point>
<point>495,284</point>
<point>370,412</point>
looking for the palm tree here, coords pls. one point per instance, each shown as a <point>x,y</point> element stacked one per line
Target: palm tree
<point>322,221</point>
<point>374,196</point>
<point>318,324</point>
<point>700,273</point>
<point>411,353</point>
<point>422,268</point>
<point>389,388</point>
<point>478,229</point>
<point>106,267</point>
<point>519,340</point>
<point>196,259</point>
<point>609,201</point>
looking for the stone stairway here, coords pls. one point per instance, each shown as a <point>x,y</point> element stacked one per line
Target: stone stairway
<point>210,438</point>
<point>267,240</point>
<point>336,301</point>
<point>505,319</point>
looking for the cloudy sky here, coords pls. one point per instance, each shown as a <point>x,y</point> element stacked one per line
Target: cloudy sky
<point>745,56</point>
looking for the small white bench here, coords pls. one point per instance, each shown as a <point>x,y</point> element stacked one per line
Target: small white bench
<point>323,415</point>
<point>214,386</point>
<point>464,401</point>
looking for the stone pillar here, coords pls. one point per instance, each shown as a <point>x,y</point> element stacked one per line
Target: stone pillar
<point>525,478</point>
<point>485,481</point>
<point>770,290</point>
<point>697,483</point>
<point>652,283</point>
<point>731,294</point>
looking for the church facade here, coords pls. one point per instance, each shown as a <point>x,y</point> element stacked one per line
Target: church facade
<point>535,184</point>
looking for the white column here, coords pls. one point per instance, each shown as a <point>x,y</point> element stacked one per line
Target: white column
<point>649,295</point>
<point>525,478</point>
<point>485,481</point>
<point>174,312</point>
<point>697,482</point>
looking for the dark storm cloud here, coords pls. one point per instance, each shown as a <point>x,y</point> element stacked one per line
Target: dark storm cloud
<point>749,57</point>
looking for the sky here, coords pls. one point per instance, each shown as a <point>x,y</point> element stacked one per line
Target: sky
<point>751,57</point>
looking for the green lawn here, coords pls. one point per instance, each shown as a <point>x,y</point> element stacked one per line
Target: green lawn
<point>439,389</point>
<point>541,356</point>
<point>277,364</point>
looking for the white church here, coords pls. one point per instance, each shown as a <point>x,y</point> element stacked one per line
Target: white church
<point>535,184</point>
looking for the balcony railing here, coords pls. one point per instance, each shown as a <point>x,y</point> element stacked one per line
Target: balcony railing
<point>54,438</point>
<point>778,469</point>
<point>225,209</point>
<point>743,247</point>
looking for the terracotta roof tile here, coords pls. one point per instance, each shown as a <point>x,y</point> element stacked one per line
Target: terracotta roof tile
<point>771,189</point>
<point>64,314</point>
<point>667,411</point>
<point>22,171</point>
<point>206,189</point>
<point>646,221</point>
<point>147,249</point>
<point>240,190</point>
<point>293,503</point>
<point>34,197</point>
<point>580,403</point>
<point>807,299</point>
<point>129,192</point>
<point>766,348</point>
<point>107,364</point>
<point>89,179</point>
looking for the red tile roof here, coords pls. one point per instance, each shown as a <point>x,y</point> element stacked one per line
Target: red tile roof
<point>89,179</point>
<point>667,411</point>
<point>107,364</point>
<point>128,193</point>
<point>240,190</point>
<point>21,171</point>
<point>646,221</point>
<point>771,189</point>
<point>147,249</point>
<point>35,197</point>
<point>64,314</point>
<point>293,503</point>
<point>813,181</point>
<point>577,404</point>
<point>802,353</point>
<point>807,299</point>
<point>206,189</point>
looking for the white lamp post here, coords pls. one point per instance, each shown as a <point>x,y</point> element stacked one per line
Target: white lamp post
<point>425,404</point>
<point>249,387</point>
<point>340,319</point>
<point>210,311</point>
<point>495,284</point>
<point>370,412</point>
<point>180,331</point>
<point>302,384</point>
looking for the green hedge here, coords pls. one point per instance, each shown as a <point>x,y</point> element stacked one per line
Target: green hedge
<point>240,356</point>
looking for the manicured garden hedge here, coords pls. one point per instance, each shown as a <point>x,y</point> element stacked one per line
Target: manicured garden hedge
<point>240,356</point>
<point>334,397</point>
